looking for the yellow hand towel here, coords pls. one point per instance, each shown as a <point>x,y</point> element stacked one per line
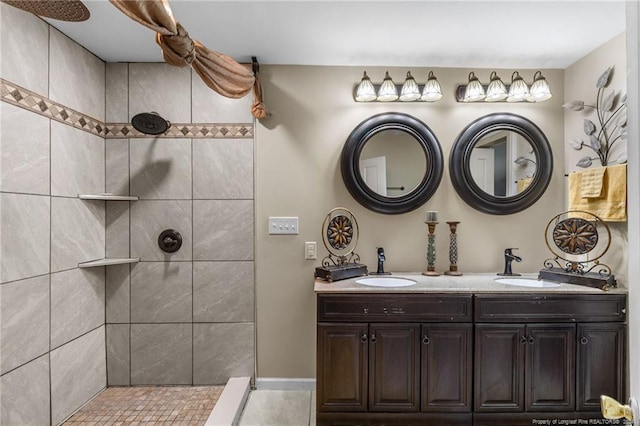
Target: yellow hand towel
<point>611,206</point>
<point>592,182</point>
<point>523,184</point>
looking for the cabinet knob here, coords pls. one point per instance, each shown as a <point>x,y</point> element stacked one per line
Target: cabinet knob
<point>531,340</point>
<point>363,339</point>
<point>426,340</point>
<point>523,339</point>
<point>373,338</point>
<point>584,340</point>
<point>366,310</point>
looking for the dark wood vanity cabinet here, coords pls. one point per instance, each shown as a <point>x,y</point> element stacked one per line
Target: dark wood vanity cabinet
<point>488,359</point>
<point>402,365</point>
<point>524,367</point>
<point>601,363</point>
<point>550,356</point>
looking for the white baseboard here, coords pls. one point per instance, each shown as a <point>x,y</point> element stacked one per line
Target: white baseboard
<point>277,383</point>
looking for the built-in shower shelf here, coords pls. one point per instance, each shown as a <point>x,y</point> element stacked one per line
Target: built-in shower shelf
<point>108,197</point>
<point>108,261</point>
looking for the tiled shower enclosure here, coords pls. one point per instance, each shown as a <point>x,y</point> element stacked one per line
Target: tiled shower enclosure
<point>180,318</point>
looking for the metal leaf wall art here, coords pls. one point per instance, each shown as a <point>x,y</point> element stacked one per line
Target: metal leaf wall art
<point>610,129</point>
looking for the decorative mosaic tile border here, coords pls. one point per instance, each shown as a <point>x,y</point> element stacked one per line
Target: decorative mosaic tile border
<point>183,130</point>
<point>31,101</point>
<point>26,99</point>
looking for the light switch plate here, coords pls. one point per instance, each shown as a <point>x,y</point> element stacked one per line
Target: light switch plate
<point>283,225</point>
<point>310,250</point>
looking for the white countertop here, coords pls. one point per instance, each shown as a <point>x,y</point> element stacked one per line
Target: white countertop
<point>467,283</point>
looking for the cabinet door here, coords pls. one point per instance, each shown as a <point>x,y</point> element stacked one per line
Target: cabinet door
<point>499,367</point>
<point>600,364</point>
<point>550,367</point>
<point>342,353</point>
<point>394,365</point>
<point>446,367</point>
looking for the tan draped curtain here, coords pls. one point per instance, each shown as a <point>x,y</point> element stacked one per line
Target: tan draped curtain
<point>220,72</point>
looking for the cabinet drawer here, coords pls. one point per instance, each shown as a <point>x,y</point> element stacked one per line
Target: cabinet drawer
<point>395,307</point>
<point>550,308</point>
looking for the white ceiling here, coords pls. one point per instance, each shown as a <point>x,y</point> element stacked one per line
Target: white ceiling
<point>471,33</point>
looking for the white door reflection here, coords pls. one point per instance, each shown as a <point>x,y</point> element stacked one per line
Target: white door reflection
<point>374,173</point>
<point>502,163</point>
<point>393,163</point>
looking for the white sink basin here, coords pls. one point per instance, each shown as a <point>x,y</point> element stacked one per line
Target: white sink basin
<point>386,282</point>
<point>527,282</point>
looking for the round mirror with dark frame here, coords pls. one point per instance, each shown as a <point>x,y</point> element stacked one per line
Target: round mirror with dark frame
<point>392,163</point>
<point>501,163</point>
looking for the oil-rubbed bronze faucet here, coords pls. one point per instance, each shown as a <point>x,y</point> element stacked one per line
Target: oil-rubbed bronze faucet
<point>381,259</point>
<point>508,258</point>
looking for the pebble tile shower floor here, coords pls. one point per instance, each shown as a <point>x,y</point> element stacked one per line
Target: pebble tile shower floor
<point>149,405</point>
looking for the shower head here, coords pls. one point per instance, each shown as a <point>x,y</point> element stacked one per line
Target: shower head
<point>150,123</point>
<point>62,10</point>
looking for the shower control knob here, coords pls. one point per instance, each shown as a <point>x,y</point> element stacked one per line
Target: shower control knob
<point>170,241</point>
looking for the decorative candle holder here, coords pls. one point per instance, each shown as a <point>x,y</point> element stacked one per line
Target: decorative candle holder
<point>453,250</point>
<point>431,250</point>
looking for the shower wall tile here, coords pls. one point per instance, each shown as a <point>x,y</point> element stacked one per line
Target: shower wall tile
<point>24,399</point>
<point>210,107</point>
<point>117,228</point>
<point>24,151</point>
<point>25,60</point>
<point>116,91</point>
<point>117,166</point>
<point>77,232</point>
<point>77,303</point>
<point>223,168</point>
<point>78,372</point>
<point>161,354</point>
<point>161,168</point>
<point>77,77</point>
<point>161,88</point>
<point>118,294</point>
<point>24,236</point>
<point>223,292</point>
<point>215,362</point>
<point>118,354</point>
<point>223,230</point>
<point>161,292</point>
<point>150,218</point>
<point>24,321</point>
<point>77,161</point>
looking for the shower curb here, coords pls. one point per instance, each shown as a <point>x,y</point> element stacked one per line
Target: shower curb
<point>228,409</point>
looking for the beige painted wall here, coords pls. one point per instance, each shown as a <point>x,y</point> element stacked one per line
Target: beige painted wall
<point>580,84</point>
<point>297,174</point>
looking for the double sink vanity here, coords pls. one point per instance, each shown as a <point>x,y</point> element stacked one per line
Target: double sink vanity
<point>470,350</point>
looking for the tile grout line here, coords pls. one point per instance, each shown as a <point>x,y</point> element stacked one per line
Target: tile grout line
<point>50,226</point>
<point>193,327</point>
<point>130,378</point>
<point>106,339</point>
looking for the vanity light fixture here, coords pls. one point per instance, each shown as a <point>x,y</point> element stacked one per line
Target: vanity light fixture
<point>474,91</point>
<point>410,90</point>
<point>387,91</point>
<point>518,91</point>
<point>540,90</point>
<point>365,92</point>
<point>497,91</point>
<point>432,91</point>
